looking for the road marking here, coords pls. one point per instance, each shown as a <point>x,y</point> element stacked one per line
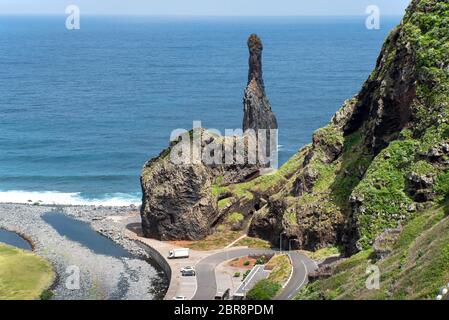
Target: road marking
<point>291,272</point>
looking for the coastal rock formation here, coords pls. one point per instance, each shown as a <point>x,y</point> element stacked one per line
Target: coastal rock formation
<point>381,159</point>
<point>180,201</point>
<point>178,198</point>
<point>256,107</point>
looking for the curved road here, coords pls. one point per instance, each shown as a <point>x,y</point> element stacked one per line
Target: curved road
<point>302,265</point>
<point>205,272</point>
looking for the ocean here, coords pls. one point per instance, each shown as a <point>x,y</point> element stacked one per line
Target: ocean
<point>82,110</point>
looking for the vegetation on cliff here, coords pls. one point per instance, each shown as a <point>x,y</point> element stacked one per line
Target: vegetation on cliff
<point>416,268</point>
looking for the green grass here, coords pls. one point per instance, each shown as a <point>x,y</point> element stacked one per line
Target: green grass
<point>383,190</point>
<point>218,190</point>
<point>269,181</point>
<point>264,290</point>
<point>235,217</point>
<point>281,269</point>
<point>323,253</point>
<point>416,269</point>
<point>224,203</point>
<point>254,243</point>
<point>23,275</point>
<point>267,289</point>
<point>218,240</point>
<point>330,135</point>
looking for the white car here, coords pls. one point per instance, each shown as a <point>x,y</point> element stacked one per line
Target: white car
<point>188,271</point>
<point>180,298</point>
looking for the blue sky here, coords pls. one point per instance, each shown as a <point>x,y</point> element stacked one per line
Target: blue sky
<point>205,7</point>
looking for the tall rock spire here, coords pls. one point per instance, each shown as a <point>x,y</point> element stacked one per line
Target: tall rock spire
<point>256,107</point>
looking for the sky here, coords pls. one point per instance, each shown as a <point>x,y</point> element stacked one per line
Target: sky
<point>205,7</point>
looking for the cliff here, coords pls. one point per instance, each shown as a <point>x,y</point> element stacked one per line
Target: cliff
<point>383,157</point>
<point>382,162</point>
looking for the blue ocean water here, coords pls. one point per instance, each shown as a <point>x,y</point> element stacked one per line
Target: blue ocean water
<point>81,111</point>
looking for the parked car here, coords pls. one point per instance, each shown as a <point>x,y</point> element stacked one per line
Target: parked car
<point>180,298</point>
<point>226,295</point>
<point>188,271</point>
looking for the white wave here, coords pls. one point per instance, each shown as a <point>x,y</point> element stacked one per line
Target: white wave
<point>60,198</point>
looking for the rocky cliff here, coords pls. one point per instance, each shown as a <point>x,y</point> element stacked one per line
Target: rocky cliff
<point>381,160</point>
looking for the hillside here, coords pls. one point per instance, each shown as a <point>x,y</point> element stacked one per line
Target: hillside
<point>417,267</point>
<point>383,158</point>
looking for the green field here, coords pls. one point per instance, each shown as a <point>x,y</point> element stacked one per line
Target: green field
<point>23,275</point>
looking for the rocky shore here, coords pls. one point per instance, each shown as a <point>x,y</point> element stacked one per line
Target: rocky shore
<point>101,276</point>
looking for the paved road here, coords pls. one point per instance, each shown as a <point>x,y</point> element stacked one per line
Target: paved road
<point>302,265</point>
<point>205,272</point>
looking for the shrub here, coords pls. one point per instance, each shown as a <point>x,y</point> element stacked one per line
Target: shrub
<point>264,290</point>
<point>235,217</point>
<point>237,275</point>
<point>246,263</point>
<point>46,295</point>
<point>246,274</point>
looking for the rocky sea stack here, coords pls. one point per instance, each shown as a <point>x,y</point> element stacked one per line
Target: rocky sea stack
<point>256,107</point>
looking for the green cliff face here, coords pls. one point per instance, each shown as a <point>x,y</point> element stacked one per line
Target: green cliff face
<point>382,160</point>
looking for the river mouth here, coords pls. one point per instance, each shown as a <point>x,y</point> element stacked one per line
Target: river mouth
<point>15,240</point>
<point>82,232</point>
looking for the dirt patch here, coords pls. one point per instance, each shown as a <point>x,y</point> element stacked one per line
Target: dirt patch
<point>248,262</point>
<point>218,240</point>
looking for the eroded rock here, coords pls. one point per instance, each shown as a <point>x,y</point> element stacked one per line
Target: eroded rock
<point>256,107</point>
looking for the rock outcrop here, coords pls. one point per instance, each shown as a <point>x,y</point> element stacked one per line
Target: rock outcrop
<point>177,200</point>
<point>256,107</point>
